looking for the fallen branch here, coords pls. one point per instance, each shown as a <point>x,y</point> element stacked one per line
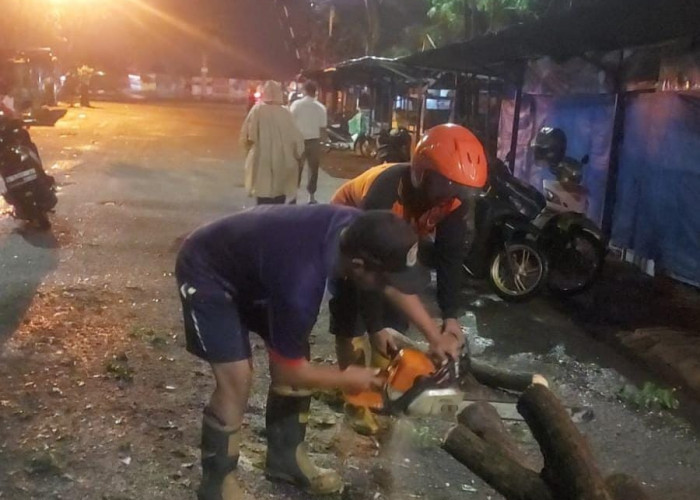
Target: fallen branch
<point>570,470</point>
<point>494,465</point>
<point>503,379</point>
<point>484,421</point>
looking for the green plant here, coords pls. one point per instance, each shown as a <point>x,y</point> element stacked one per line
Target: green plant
<point>649,396</point>
<point>119,367</point>
<point>150,335</point>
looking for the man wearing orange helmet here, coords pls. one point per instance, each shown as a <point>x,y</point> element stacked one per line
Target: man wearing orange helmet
<point>433,193</point>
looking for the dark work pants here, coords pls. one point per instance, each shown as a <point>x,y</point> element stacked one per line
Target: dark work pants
<point>312,156</point>
<point>277,200</point>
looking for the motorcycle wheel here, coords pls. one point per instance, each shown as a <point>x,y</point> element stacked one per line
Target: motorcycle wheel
<point>577,265</point>
<point>526,276</point>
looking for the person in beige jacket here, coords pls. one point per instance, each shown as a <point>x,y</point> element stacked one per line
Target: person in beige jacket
<point>274,147</point>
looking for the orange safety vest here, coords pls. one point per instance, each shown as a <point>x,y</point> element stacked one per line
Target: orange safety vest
<point>354,191</point>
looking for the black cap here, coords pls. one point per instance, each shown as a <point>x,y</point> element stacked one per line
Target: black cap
<point>388,244</point>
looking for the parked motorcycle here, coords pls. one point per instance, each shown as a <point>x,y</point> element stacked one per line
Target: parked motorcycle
<point>338,139</point>
<point>573,243</point>
<point>505,245</point>
<point>394,146</point>
<point>23,182</point>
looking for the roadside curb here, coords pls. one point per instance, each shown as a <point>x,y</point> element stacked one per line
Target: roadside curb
<point>674,354</point>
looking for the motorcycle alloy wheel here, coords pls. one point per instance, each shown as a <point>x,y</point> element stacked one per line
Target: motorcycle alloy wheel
<point>577,264</point>
<point>517,271</point>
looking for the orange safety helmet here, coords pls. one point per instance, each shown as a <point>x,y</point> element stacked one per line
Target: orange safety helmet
<point>453,152</point>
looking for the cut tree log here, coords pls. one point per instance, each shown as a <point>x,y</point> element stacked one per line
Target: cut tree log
<point>504,379</point>
<point>569,467</point>
<point>624,487</point>
<point>494,465</point>
<point>484,420</point>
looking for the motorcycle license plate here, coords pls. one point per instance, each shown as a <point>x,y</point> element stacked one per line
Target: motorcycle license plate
<point>20,178</point>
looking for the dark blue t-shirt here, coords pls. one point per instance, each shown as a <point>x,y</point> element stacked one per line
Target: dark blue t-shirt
<point>275,256</point>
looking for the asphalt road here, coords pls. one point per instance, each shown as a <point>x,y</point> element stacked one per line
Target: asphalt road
<point>134,179</point>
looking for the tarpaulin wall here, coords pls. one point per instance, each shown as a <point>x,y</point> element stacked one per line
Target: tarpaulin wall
<point>587,121</point>
<point>657,210</point>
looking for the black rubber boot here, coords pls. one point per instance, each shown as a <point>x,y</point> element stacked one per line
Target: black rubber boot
<point>220,449</point>
<point>287,457</point>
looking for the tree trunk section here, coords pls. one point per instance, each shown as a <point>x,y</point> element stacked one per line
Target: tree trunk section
<point>484,421</point>
<point>570,469</point>
<point>495,466</point>
<point>504,379</point>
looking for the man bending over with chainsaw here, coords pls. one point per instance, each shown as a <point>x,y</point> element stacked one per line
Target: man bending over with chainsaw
<point>434,194</point>
<point>265,270</point>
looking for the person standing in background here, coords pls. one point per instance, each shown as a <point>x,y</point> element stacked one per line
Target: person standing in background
<point>7,102</point>
<point>274,148</point>
<point>312,120</point>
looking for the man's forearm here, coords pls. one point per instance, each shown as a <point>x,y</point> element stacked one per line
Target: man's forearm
<point>307,376</point>
<point>413,308</point>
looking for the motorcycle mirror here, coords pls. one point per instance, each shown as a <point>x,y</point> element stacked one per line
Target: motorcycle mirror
<point>585,160</point>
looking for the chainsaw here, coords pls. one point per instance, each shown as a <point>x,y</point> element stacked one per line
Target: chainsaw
<point>415,386</point>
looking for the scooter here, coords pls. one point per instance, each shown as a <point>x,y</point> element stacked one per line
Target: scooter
<point>338,139</point>
<point>505,247</point>
<point>394,146</point>
<point>23,182</point>
<point>574,244</point>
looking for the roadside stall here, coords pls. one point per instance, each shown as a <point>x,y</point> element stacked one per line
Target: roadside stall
<point>621,79</point>
<point>386,93</point>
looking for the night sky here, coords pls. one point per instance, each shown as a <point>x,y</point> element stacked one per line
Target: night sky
<point>240,38</point>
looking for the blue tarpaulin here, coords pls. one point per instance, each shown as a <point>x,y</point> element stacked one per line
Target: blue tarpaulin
<point>657,211</point>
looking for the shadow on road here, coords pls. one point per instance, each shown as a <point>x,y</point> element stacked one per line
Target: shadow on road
<point>26,257</point>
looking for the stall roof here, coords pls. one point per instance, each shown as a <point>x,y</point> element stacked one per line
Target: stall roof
<point>602,27</point>
<point>364,70</point>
